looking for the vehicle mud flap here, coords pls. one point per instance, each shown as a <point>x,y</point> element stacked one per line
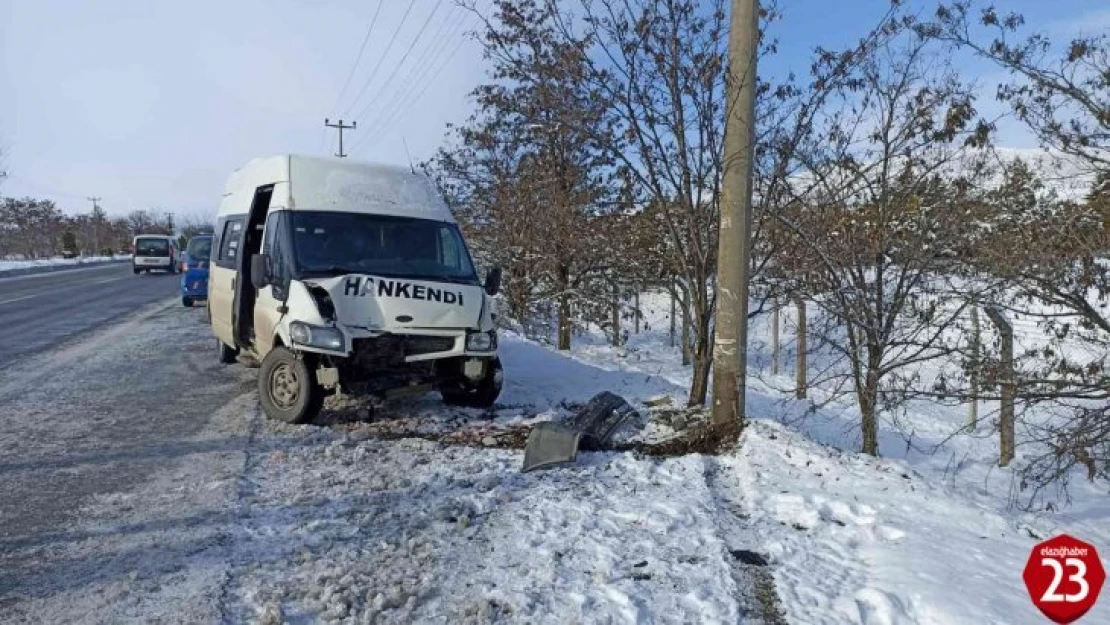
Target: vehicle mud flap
<point>600,418</point>
<point>550,444</point>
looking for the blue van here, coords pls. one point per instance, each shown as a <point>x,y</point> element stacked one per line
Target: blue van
<point>194,269</point>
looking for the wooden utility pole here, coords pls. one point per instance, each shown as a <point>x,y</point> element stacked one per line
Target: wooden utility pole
<point>730,346</point>
<point>341,127</point>
<point>1008,385</point>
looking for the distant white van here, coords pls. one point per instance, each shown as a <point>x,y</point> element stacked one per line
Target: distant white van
<point>154,251</point>
<point>349,277</point>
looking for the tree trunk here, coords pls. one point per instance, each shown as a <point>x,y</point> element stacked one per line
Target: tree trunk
<point>703,358</point>
<point>868,403</point>
<point>800,384</point>
<point>563,284</point>
<point>775,336</point>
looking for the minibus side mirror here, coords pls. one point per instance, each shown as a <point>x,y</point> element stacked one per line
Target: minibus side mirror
<point>493,281</point>
<point>260,274</point>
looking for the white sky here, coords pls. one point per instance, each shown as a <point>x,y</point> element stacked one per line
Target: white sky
<point>151,103</point>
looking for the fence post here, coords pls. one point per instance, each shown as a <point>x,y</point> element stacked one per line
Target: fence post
<point>686,355</point>
<point>775,336</point>
<point>636,312</point>
<point>976,363</point>
<point>615,314</point>
<point>1008,385</point>
<point>672,312</point>
<point>800,373</point>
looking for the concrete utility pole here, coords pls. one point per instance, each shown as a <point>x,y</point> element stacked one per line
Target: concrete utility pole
<point>341,127</point>
<point>730,347</point>
<point>96,226</point>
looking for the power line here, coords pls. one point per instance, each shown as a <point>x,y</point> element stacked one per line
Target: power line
<point>420,69</point>
<point>426,75</point>
<point>374,72</point>
<point>404,58</point>
<point>388,125</point>
<point>361,49</point>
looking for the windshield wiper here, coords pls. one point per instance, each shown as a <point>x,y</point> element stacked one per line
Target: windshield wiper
<point>333,269</point>
<point>451,279</point>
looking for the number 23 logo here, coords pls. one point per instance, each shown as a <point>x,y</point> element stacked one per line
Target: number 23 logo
<point>1079,577</point>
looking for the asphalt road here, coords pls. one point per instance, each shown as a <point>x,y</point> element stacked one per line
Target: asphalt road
<point>92,420</point>
<point>41,311</point>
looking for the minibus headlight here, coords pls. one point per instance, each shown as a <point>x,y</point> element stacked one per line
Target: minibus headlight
<point>481,341</point>
<point>316,336</point>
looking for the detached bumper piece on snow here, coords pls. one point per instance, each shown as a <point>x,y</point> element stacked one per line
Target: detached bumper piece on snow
<point>591,428</point>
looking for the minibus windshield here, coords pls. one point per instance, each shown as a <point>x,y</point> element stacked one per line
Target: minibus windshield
<point>334,243</point>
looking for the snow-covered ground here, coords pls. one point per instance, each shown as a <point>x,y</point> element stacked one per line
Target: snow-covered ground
<point>928,533</point>
<point>382,521</point>
<point>9,264</point>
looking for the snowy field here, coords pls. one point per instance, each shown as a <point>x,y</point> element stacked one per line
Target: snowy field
<point>9,264</point>
<point>357,520</point>
<point>927,533</point>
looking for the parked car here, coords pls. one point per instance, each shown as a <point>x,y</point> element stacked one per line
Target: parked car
<point>343,275</point>
<point>154,251</point>
<point>194,269</point>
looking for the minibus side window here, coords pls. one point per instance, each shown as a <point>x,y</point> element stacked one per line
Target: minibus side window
<point>229,243</point>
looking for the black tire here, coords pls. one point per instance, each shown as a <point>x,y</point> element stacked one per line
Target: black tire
<point>482,395</point>
<point>136,270</point>
<point>228,354</point>
<point>187,302</point>
<point>287,388</point>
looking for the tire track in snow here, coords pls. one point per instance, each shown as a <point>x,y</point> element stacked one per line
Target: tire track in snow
<point>759,600</point>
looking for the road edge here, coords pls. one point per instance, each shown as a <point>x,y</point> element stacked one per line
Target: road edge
<point>30,271</point>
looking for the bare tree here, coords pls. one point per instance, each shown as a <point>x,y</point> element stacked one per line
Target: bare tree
<point>883,188</point>
<point>527,174</point>
<point>1061,93</point>
<point>1059,274</point>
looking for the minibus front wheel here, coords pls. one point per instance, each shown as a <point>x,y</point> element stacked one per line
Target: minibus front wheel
<point>287,387</point>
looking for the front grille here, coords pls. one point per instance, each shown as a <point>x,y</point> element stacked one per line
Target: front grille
<point>391,349</point>
<point>415,345</point>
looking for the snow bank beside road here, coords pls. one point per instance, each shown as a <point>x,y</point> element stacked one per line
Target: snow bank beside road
<point>7,265</point>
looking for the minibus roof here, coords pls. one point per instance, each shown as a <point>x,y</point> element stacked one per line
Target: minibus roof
<point>335,184</point>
